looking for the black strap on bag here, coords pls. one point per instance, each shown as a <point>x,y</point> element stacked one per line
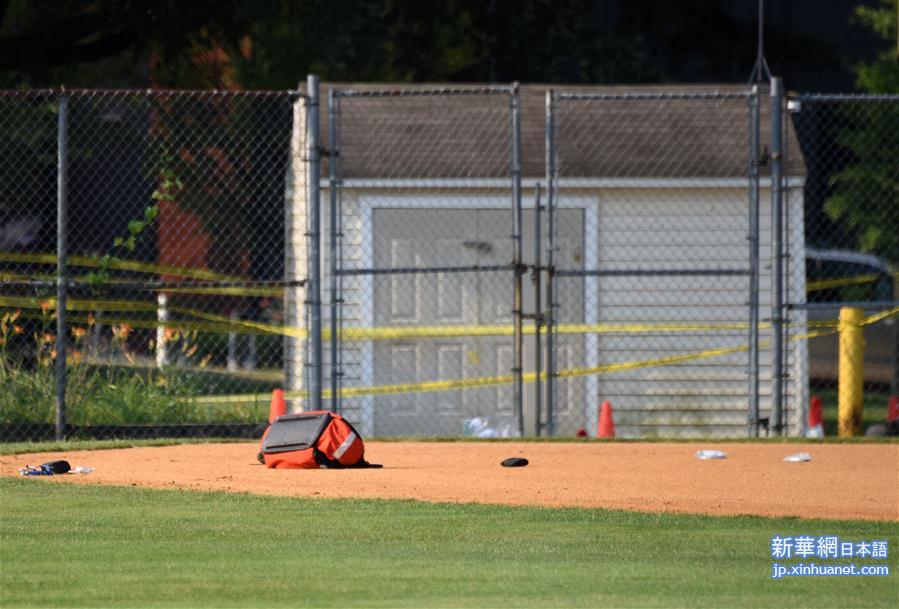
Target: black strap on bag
<point>322,459</point>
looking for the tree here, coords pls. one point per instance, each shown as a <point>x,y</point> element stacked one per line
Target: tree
<point>866,192</point>
<point>882,74</point>
<point>117,43</point>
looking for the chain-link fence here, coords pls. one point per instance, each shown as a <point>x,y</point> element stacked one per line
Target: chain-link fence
<point>665,182</point>
<point>850,144</point>
<point>172,229</point>
<point>443,261</point>
<point>426,238</point>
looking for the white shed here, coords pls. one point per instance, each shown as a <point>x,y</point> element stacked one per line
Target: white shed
<point>651,189</point>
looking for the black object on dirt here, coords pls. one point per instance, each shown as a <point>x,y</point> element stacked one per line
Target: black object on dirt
<point>57,467</point>
<point>514,462</point>
<point>47,469</point>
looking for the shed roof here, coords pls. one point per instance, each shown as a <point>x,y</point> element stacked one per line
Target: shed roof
<point>464,131</point>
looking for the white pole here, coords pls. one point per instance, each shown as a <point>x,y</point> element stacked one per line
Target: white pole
<point>162,316</point>
<point>233,364</point>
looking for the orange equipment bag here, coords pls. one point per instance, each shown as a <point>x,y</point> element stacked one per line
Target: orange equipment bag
<point>310,440</point>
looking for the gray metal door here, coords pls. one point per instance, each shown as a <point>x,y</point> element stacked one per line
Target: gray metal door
<point>452,310</point>
<point>445,310</point>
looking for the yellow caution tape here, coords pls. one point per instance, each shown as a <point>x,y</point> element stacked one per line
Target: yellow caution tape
<point>259,292</point>
<point>14,277</point>
<point>839,282</point>
<point>472,383</point>
<point>659,361</point>
<point>360,333</point>
<point>196,273</point>
<point>146,324</point>
<point>220,323</point>
<point>418,332</point>
<point>76,304</point>
<point>120,265</point>
<point>234,325</point>
<point>873,319</point>
<point>226,323</point>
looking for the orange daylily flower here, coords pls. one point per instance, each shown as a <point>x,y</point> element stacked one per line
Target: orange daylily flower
<point>121,331</point>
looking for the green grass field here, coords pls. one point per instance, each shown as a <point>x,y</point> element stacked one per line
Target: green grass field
<point>69,545</point>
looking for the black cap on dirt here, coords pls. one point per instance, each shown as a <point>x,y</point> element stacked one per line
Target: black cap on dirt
<point>514,462</point>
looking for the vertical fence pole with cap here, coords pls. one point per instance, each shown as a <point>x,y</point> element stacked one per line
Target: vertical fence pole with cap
<point>62,194</point>
<point>754,136</point>
<point>536,277</point>
<point>313,199</point>
<point>332,241</point>
<point>517,382</point>
<point>777,372</point>
<point>549,315</point>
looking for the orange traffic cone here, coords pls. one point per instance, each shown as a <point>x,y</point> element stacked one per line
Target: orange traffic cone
<point>278,407</point>
<point>815,419</point>
<point>893,409</point>
<point>606,427</point>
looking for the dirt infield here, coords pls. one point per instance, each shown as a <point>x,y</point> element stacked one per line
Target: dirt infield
<point>857,481</point>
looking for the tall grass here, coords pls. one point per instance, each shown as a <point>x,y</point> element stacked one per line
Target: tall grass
<point>105,386</point>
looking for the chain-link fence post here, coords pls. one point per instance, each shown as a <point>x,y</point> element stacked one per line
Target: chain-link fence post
<point>777,283</point>
<point>62,185</point>
<point>313,159</point>
<point>549,315</point>
<point>754,151</point>
<point>536,280</point>
<point>518,382</point>
<point>332,243</point>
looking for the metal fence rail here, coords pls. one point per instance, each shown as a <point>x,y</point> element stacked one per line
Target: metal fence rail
<point>442,260</point>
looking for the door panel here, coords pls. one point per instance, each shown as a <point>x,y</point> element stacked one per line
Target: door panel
<point>455,237</point>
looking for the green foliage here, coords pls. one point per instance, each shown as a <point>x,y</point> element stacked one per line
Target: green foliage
<point>168,186</point>
<point>882,74</point>
<point>88,546</point>
<point>108,388</point>
<point>874,411</point>
<point>110,395</point>
<point>866,194</point>
<point>127,243</point>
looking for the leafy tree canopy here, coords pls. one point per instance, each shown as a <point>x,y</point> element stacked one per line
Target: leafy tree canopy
<point>882,74</point>
<point>866,192</point>
<point>274,43</point>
